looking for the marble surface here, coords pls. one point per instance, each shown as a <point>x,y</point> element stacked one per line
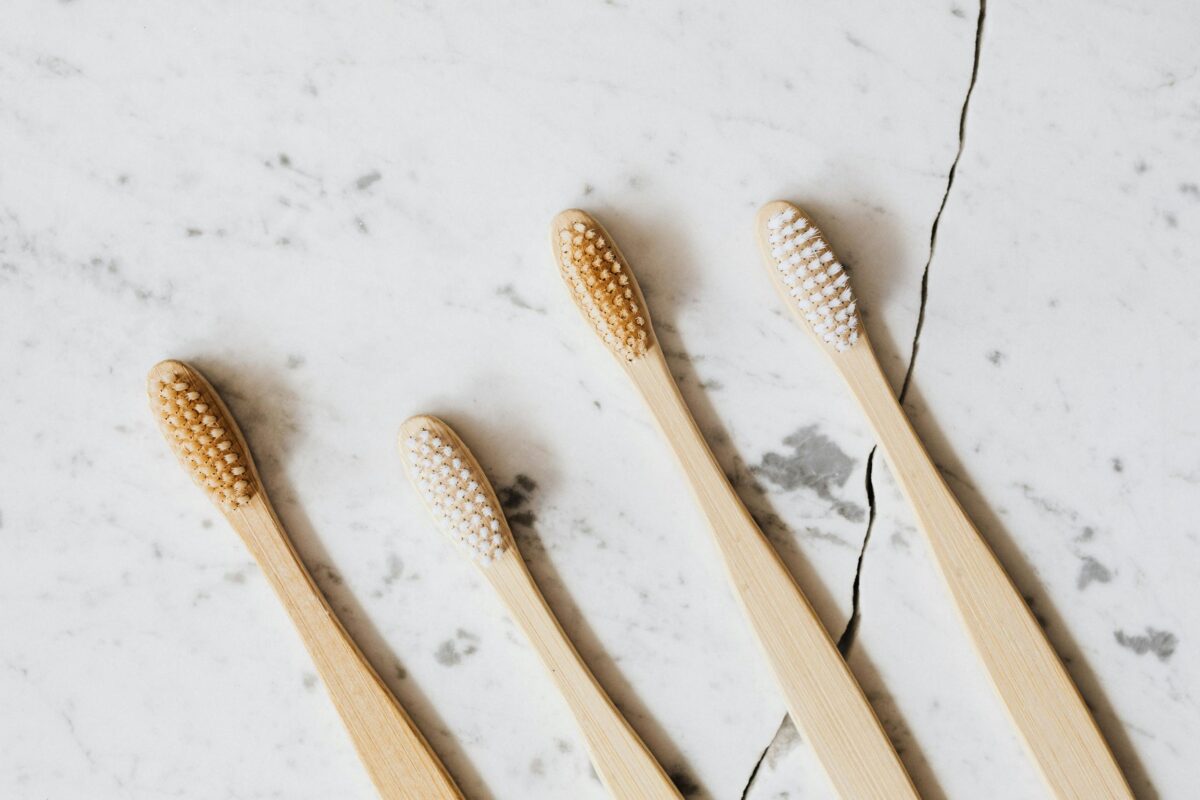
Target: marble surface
<point>339,211</point>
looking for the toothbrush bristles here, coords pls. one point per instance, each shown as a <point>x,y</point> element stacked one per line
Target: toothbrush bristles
<point>814,280</point>
<point>460,500</point>
<point>205,442</point>
<point>602,286</point>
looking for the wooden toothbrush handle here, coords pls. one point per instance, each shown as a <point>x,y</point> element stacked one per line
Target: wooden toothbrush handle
<point>822,696</point>
<point>1044,704</point>
<point>623,762</point>
<point>398,759</point>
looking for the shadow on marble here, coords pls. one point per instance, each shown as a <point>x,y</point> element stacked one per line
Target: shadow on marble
<point>265,408</point>
<point>661,283</point>
<point>606,671</point>
<point>907,747</point>
<point>1024,577</point>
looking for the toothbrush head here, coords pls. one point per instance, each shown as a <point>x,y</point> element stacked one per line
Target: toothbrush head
<point>808,275</point>
<point>601,284</point>
<point>454,488</point>
<point>202,433</point>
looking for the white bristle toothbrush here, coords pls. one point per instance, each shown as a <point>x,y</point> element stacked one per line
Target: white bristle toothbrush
<point>1041,699</point>
<point>464,506</point>
<point>206,440</point>
<point>824,700</point>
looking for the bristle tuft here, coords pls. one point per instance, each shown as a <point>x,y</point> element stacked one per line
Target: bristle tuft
<point>814,280</point>
<point>603,288</point>
<point>460,499</point>
<point>190,419</point>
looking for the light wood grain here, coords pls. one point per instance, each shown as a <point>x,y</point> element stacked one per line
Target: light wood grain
<point>1038,693</point>
<point>396,756</point>
<point>1035,688</point>
<point>820,692</point>
<point>625,765</point>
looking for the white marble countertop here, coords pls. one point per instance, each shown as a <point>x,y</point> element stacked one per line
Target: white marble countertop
<point>339,211</point>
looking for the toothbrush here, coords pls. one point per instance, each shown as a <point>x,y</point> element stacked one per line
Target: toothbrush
<point>464,505</point>
<point>1044,704</point>
<point>209,445</point>
<point>821,694</point>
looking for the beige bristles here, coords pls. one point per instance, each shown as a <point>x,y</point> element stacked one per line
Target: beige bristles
<point>203,435</point>
<point>454,488</point>
<point>601,284</point>
<point>808,274</point>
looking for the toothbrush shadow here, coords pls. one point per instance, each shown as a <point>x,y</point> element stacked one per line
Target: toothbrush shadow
<point>271,426</point>
<point>522,505</point>
<point>1024,577</point>
<point>602,666</point>
<point>655,249</point>
<point>907,746</point>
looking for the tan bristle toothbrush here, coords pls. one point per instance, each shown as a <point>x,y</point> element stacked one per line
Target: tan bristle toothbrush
<point>208,444</point>
<point>1043,702</point>
<point>464,505</point>
<point>824,700</point>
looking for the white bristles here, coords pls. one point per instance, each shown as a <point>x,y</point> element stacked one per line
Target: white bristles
<point>815,280</point>
<point>454,493</point>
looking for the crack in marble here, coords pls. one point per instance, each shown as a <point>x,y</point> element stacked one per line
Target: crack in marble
<point>937,218</point>
<point>757,766</point>
<point>846,640</point>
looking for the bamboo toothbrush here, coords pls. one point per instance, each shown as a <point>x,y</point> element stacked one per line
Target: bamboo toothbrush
<point>207,442</point>
<point>464,505</point>
<point>1046,707</point>
<point>821,694</point>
